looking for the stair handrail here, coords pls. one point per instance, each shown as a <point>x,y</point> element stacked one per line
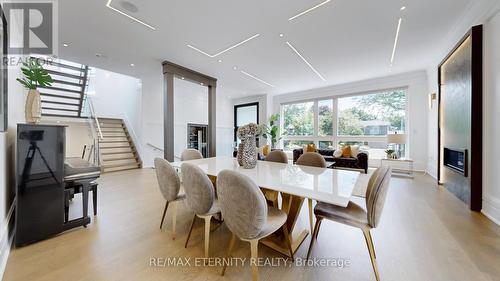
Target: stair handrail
<point>94,116</point>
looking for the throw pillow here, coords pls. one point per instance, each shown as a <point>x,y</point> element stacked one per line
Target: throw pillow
<point>346,152</point>
<point>354,151</point>
<point>311,148</point>
<point>337,153</point>
<point>265,150</point>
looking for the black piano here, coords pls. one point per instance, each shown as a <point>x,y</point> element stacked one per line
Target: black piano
<point>45,182</point>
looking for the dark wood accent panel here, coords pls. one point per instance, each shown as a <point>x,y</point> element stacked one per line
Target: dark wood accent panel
<point>460,116</point>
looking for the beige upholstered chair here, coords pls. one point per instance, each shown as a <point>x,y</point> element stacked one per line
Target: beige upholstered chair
<point>354,215</point>
<point>315,160</point>
<point>311,159</point>
<point>201,199</point>
<point>277,156</point>
<point>170,187</point>
<point>191,154</point>
<point>246,213</point>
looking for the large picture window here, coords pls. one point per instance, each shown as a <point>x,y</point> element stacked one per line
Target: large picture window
<point>298,119</point>
<point>363,120</point>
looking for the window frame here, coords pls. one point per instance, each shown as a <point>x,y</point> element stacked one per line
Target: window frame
<point>336,138</point>
<point>235,116</point>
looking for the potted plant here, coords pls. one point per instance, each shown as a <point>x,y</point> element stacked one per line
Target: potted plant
<point>34,76</point>
<point>390,153</point>
<point>271,131</point>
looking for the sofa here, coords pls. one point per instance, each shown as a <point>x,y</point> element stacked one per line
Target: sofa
<point>359,163</point>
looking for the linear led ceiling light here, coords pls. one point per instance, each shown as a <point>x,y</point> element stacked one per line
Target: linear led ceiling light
<point>304,59</point>
<point>225,50</point>
<point>256,78</point>
<point>129,16</point>
<point>396,40</point>
<point>309,10</point>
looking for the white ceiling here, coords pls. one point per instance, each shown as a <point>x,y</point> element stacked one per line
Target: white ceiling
<point>344,40</point>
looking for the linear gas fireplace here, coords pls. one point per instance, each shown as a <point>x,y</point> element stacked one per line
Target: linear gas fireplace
<point>456,160</point>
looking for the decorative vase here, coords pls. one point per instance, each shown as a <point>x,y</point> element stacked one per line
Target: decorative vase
<point>33,107</point>
<point>249,153</point>
<point>247,150</point>
<point>239,156</point>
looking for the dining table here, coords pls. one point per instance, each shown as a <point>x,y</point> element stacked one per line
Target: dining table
<point>294,183</point>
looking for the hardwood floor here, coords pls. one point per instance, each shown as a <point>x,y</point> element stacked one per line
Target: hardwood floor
<point>425,234</point>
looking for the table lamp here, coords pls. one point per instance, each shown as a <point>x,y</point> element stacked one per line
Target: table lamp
<point>397,139</point>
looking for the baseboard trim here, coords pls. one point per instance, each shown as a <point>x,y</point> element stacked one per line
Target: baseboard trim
<point>491,209</point>
<point>6,240</point>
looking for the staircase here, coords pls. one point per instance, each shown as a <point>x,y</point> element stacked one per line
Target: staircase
<point>64,98</point>
<point>118,151</point>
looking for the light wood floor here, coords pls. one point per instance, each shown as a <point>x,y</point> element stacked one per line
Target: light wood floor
<point>425,234</point>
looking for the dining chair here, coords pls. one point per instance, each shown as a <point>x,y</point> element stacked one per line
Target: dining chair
<point>313,159</point>
<point>247,214</point>
<point>355,216</point>
<point>200,197</point>
<point>276,156</point>
<point>170,187</point>
<point>191,154</point>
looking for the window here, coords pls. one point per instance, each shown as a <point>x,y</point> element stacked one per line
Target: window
<point>290,145</point>
<point>245,114</point>
<point>298,119</point>
<point>325,118</point>
<point>362,120</point>
<point>372,115</point>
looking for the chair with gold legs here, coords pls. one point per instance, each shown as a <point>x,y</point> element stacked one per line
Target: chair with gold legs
<point>170,187</point>
<point>355,216</point>
<point>200,196</point>
<point>312,159</point>
<point>247,214</point>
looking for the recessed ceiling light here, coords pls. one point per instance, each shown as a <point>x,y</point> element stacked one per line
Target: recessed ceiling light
<point>309,10</point>
<point>235,67</point>
<point>225,50</point>
<point>219,60</point>
<point>281,35</point>
<point>304,59</point>
<point>129,16</point>
<point>396,41</point>
<point>256,78</point>
<point>129,6</point>
<point>403,8</point>
<point>65,44</point>
<point>201,84</point>
<point>132,64</point>
<point>182,78</point>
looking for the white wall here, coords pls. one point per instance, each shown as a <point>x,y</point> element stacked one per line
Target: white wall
<point>152,116</point>
<point>190,106</point>
<point>480,12</point>
<point>491,116</point>
<point>116,95</point>
<point>16,100</point>
<point>417,85</point>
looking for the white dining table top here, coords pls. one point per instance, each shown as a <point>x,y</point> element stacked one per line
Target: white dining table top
<point>322,184</point>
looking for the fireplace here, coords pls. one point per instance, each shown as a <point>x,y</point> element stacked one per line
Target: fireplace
<point>455,160</point>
